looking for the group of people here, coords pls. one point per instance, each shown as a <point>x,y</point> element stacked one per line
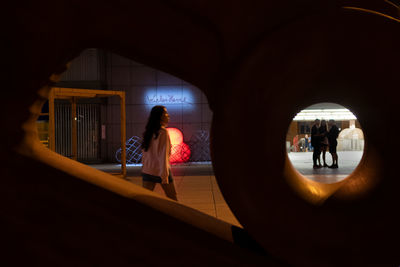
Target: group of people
<point>323,136</point>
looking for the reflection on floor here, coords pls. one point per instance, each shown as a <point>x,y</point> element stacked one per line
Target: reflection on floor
<point>348,161</point>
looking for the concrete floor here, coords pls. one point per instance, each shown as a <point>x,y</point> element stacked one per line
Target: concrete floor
<point>347,161</point>
<point>197,188</point>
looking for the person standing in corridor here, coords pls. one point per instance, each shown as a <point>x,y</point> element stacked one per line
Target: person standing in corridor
<point>323,131</point>
<point>332,137</point>
<point>156,149</point>
<point>316,143</point>
<point>306,143</point>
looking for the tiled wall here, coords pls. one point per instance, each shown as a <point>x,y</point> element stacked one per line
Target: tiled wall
<point>87,71</point>
<point>146,87</point>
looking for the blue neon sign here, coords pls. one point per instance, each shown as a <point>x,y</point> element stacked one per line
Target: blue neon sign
<point>170,97</point>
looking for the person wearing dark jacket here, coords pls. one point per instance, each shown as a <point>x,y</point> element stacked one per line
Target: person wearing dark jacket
<point>316,143</point>
<point>323,131</point>
<point>332,138</point>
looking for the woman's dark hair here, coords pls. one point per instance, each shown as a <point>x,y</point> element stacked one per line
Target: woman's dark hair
<point>153,126</point>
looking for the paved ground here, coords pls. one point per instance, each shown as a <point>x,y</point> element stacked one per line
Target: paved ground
<point>348,161</point>
<point>197,187</point>
<point>195,184</point>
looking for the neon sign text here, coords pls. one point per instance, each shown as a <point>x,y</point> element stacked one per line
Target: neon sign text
<point>168,99</point>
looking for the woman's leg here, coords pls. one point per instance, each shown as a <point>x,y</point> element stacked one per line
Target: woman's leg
<point>336,159</point>
<point>169,190</point>
<point>149,185</point>
<point>319,155</point>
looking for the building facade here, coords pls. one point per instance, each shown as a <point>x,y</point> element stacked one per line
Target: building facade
<point>99,119</point>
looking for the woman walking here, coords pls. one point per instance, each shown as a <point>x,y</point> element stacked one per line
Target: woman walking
<point>156,152</point>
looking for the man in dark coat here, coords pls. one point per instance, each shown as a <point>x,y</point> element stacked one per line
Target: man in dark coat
<point>332,138</point>
<point>316,143</point>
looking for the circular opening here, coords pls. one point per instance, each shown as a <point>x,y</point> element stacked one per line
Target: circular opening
<point>325,142</point>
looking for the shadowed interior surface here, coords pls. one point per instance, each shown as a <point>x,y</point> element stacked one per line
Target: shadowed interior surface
<point>247,58</point>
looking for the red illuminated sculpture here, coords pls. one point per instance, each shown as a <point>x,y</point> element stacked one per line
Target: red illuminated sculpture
<point>180,152</point>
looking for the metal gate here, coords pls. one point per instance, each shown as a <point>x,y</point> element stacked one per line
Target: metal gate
<point>88,130</point>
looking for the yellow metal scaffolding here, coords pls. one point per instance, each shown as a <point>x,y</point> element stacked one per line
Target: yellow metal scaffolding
<point>73,95</point>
